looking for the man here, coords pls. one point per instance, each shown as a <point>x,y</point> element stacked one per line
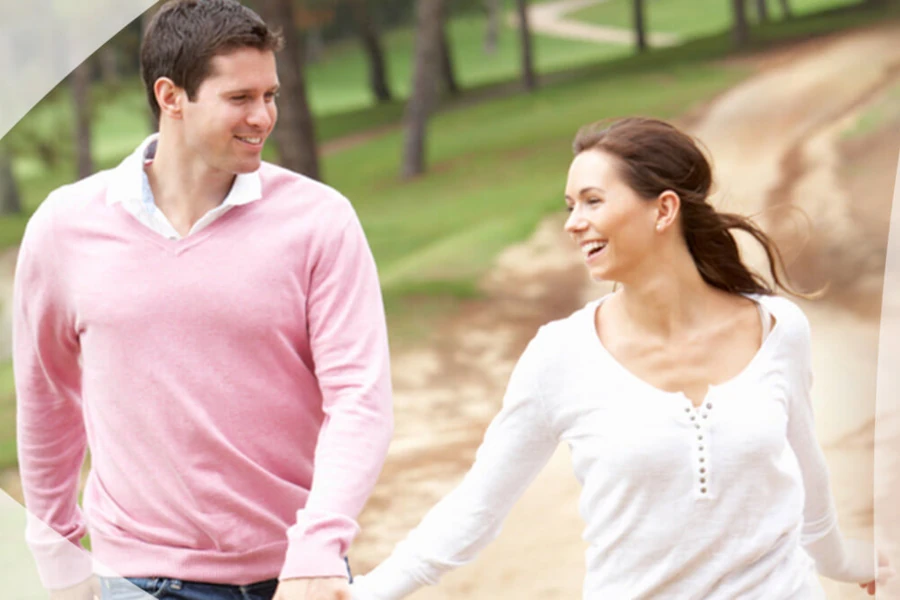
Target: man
<point>211,327</point>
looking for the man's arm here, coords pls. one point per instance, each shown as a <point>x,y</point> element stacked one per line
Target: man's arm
<point>50,434</point>
<point>348,338</point>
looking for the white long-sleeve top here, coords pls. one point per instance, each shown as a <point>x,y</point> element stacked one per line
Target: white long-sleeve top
<point>714,502</point>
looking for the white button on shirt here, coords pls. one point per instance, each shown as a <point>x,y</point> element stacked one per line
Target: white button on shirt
<point>133,191</point>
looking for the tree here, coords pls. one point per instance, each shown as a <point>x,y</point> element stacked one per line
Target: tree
<point>10,200</point>
<point>640,28</point>
<point>80,81</point>
<point>108,56</point>
<point>762,11</point>
<point>448,73</point>
<point>786,9</point>
<point>494,9</point>
<point>295,135</point>
<point>740,28</point>
<point>146,18</point>
<point>371,42</point>
<point>529,80</point>
<point>424,94</point>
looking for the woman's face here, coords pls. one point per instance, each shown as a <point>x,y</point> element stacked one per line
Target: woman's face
<point>613,226</point>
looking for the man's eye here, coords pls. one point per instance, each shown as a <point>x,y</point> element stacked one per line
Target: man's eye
<point>239,98</point>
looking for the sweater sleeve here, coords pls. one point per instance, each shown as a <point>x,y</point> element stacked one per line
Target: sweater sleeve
<point>836,558</point>
<point>51,440</point>
<point>348,339</point>
<point>517,445</point>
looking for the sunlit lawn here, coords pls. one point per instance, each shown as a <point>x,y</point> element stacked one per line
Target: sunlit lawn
<point>691,18</point>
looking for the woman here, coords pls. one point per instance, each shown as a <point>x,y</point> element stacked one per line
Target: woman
<point>684,397</point>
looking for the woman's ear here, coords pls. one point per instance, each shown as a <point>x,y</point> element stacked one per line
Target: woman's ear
<point>668,205</point>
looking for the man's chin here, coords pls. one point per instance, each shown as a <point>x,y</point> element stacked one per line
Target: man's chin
<point>247,166</point>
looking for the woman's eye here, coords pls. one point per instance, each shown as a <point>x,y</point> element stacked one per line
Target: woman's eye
<point>595,200</point>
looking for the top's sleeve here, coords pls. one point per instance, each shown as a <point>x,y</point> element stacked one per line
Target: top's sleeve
<point>348,339</point>
<point>50,436</point>
<point>518,443</point>
<point>836,558</point>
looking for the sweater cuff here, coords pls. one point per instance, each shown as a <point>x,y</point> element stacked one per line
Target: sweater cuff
<point>317,545</point>
<point>60,562</point>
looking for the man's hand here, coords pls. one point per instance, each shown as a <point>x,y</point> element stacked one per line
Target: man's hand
<point>313,588</point>
<point>885,572</point>
<point>89,589</point>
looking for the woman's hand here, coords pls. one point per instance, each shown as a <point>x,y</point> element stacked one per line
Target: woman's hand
<point>883,572</point>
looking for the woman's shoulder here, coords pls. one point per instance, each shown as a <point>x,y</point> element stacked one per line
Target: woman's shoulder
<point>570,329</point>
<point>790,320</point>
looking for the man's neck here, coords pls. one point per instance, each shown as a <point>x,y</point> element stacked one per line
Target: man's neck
<point>184,187</point>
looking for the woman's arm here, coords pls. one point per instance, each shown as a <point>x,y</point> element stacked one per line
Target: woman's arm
<point>835,558</point>
<point>517,444</point>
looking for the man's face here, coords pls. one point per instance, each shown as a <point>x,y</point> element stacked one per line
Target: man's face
<point>233,111</point>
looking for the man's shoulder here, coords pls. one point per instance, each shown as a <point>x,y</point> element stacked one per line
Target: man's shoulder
<point>71,202</point>
<point>74,197</point>
<point>296,192</point>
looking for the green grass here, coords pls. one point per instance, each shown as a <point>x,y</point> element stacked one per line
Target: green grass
<point>885,109</point>
<point>7,416</point>
<point>339,82</point>
<point>691,18</point>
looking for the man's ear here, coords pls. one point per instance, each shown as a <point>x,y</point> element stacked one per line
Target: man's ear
<point>170,97</point>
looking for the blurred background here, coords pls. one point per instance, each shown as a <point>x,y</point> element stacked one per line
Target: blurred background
<point>448,124</point>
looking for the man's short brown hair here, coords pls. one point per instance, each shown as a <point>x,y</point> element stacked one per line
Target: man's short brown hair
<point>185,35</point>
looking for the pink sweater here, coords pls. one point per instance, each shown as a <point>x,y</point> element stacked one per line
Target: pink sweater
<point>233,386</point>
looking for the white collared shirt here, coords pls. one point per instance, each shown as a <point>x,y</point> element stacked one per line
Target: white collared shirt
<point>131,188</point>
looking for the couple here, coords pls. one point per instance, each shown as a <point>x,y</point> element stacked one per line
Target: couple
<point>211,328</point>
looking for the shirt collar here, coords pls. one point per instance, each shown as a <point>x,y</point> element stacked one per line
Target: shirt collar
<point>129,182</point>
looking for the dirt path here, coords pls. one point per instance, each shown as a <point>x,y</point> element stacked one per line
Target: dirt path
<point>447,393</point>
<point>550,19</point>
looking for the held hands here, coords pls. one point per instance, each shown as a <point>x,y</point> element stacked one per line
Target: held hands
<point>313,588</point>
<point>89,589</point>
<point>884,571</point>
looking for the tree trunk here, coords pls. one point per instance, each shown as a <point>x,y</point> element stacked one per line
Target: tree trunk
<point>762,11</point>
<point>295,135</point>
<point>448,73</point>
<point>640,28</point>
<point>80,81</point>
<point>371,43</point>
<point>740,29</point>
<point>10,201</point>
<point>786,9</point>
<point>424,94</point>
<point>494,9</point>
<point>529,80</point>
<point>109,65</point>
<point>145,21</point>
<point>315,46</point>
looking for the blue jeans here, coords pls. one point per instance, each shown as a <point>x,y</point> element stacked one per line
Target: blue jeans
<point>146,588</point>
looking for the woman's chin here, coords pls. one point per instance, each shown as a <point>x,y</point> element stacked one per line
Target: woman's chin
<point>600,276</point>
